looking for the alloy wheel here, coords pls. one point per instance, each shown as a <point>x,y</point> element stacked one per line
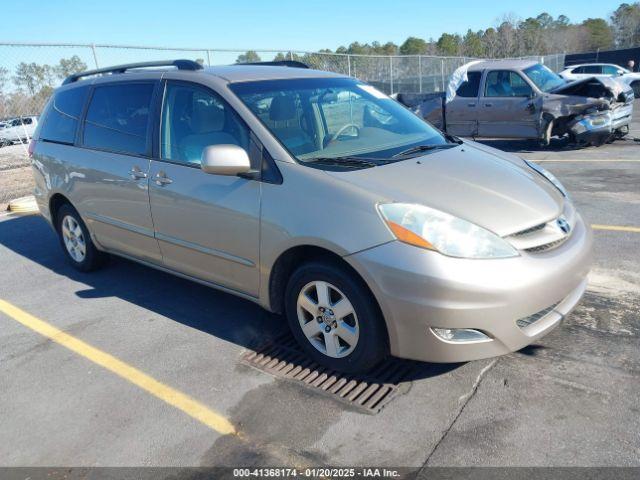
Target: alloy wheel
<point>73,238</point>
<point>328,319</point>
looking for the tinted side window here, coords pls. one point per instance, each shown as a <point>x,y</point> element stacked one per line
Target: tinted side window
<point>194,118</point>
<point>505,83</point>
<point>118,118</point>
<point>596,69</point>
<point>578,70</point>
<point>470,87</point>
<point>61,118</point>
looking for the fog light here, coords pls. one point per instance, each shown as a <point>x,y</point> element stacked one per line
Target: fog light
<point>460,335</point>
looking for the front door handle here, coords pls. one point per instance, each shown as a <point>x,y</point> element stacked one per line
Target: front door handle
<point>471,104</point>
<point>488,104</point>
<point>531,107</point>
<point>136,173</point>
<point>162,179</point>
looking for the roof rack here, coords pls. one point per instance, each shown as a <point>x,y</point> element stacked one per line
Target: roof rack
<point>179,64</point>
<point>279,63</point>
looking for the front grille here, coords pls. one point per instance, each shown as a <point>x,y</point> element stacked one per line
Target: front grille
<point>531,319</point>
<point>546,246</point>
<point>543,237</point>
<point>529,230</point>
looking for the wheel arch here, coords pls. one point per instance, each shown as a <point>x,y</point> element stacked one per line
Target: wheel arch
<point>56,201</point>
<point>290,259</point>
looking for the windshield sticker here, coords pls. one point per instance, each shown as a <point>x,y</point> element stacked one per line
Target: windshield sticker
<point>373,91</point>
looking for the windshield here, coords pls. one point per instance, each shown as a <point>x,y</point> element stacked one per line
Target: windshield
<point>545,79</point>
<point>334,118</point>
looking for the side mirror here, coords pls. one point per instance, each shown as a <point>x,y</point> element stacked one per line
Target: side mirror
<point>225,160</point>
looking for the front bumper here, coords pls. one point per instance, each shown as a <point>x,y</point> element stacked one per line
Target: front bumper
<point>598,127</point>
<point>418,289</point>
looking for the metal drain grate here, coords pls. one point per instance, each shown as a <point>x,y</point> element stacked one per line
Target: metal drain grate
<point>283,358</point>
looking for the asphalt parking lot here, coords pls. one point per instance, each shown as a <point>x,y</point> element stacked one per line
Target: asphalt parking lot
<point>89,398</point>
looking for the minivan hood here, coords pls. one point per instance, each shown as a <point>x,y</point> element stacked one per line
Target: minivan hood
<point>477,184</point>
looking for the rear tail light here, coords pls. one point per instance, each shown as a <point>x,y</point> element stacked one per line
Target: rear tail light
<point>32,147</point>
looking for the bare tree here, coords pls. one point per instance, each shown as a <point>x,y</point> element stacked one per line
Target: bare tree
<point>69,66</point>
<point>626,25</point>
<point>33,76</point>
<point>249,56</point>
<point>4,78</point>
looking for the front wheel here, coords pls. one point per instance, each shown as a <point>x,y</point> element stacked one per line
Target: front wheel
<point>334,318</point>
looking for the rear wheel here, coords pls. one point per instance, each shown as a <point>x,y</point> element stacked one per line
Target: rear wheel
<point>334,318</point>
<point>76,241</point>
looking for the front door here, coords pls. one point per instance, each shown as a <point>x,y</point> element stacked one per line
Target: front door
<point>207,225</point>
<point>110,172</point>
<point>508,108</point>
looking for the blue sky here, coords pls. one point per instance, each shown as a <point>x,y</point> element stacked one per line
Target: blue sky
<point>283,24</point>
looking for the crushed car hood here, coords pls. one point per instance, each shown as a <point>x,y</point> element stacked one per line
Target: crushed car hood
<point>477,184</point>
<point>577,97</point>
<point>610,87</point>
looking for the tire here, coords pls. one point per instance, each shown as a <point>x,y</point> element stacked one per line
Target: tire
<point>76,242</point>
<point>351,343</point>
<point>545,141</point>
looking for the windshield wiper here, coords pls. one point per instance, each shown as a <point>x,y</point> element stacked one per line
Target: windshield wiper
<point>452,138</point>
<point>347,161</point>
<point>422,148</point>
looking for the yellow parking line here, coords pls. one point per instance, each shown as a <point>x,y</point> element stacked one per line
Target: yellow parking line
<point>165,393</point>
<point>616,228</point>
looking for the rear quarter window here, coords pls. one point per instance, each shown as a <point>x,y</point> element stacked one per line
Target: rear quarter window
<point>117,118</point>
<point>63,113</point>
<point>471,86</point>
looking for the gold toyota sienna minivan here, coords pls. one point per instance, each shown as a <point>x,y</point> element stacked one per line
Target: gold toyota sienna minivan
<point>314,195</point>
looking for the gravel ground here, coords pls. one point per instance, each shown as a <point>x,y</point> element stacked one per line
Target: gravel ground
<point>15,174</point>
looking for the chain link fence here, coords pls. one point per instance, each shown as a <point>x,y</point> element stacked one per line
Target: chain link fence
<point>29,72</point>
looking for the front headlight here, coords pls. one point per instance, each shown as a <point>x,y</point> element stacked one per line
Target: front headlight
<point>549,176</point>
<point>429,228</point>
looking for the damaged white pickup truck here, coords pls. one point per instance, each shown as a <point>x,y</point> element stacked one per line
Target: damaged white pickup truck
<point>524,99</point>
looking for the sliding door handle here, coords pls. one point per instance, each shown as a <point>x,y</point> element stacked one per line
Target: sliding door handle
<point>162,179</point>
<point>136,173</point>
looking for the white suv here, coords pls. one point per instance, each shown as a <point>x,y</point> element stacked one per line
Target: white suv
<point>586,70</point>
<point>18,130</point>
